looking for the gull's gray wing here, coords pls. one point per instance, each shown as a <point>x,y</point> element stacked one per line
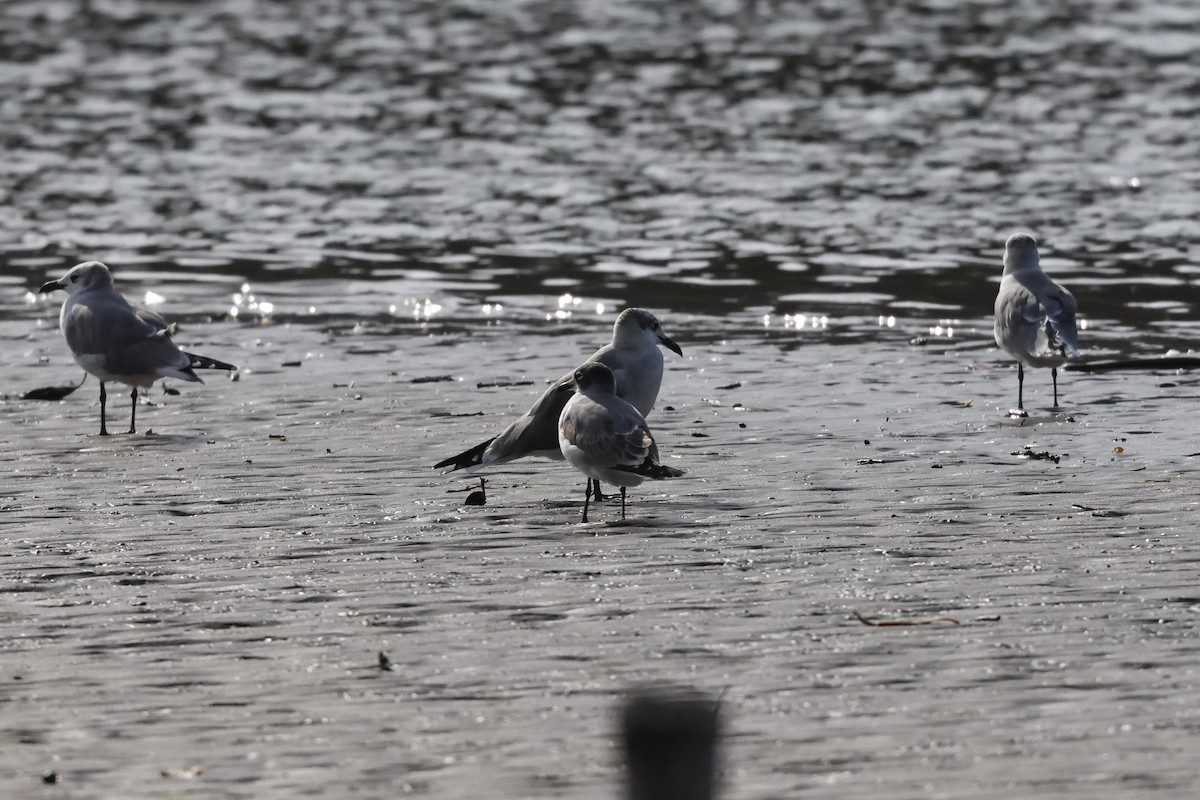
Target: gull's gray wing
<point>149,357</point>
<point>104,324</point>
<point>1035,320</point>
<point>133,341</point>
<point>1060,307</point>
<point>608,438</point>
<point>536,431</point>
<point>153,318</point>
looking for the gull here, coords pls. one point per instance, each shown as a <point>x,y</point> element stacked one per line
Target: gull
<point>637,365</point>
<point>1035,317</point>
<point>118,341</point>
<point>606,438</point>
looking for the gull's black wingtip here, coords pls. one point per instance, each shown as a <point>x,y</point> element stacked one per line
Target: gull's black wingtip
<point>465,459</point>
<point>204,362</point>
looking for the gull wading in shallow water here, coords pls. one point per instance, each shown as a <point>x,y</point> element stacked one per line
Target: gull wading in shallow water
<point>118,341</point>
<point>605,437</point>
<point>1035,317</point>
<point>637,366</point>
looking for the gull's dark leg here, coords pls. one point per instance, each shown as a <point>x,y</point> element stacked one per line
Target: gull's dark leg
<point>597,495</point>
<point>1054,377</point>
<point>103,398</point>
<point>622,503</point>
<point>1020,386</point>
<point>133,410</point>
<point>587,495</point>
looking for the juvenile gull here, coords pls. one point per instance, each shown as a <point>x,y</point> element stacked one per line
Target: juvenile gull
<point>637,365</point>
<point>605,437</point>
<point>1035,317</point>
<point>119,341</point>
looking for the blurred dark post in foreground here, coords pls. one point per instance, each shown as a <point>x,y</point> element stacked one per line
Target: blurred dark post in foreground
<point>671,744</point>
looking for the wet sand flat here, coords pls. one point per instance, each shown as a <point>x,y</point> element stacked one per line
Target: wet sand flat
<point>402,219</point>
<point>216,594</point>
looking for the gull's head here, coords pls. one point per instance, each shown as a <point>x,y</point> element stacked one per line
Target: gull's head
<point>636,327</point>
<point>594,377</point>
<point>81,277</point>
<point>1020,252</point>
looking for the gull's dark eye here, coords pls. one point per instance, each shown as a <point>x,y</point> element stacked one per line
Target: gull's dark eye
<point>654,325</point>
<point>579,375</point>
<point>74,277</point>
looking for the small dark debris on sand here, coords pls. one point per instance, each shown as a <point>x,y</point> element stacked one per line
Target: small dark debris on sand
<point>1045,455</point>
<point>52,392</point>
<point>478,497</point>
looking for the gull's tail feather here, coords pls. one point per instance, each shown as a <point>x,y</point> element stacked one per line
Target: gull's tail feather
<point>204,362</point>
<point>466,459</point>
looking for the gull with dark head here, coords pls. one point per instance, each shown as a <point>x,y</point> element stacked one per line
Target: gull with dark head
<point>118,341</point>
<point>606,438</point>
<point>636,364</point>
<point>1035,317</point>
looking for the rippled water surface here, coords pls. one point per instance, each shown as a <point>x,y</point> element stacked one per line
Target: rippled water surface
<point>718,159</point>
<point>401,219</point>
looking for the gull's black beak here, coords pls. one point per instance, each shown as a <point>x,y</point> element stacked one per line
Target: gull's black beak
<point>50,287</point>
<point>663,340</point>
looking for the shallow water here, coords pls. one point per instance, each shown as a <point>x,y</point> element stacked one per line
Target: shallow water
<point>403,202</point>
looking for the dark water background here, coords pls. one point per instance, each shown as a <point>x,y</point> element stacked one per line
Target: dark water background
<point>725,160</point>
<point>451,190</point>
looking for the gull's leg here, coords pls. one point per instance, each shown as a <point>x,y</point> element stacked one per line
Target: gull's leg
<point>1020,386</point>
<point>622,503</point>
<point>103,398</point>
<point>1054,377</point>
<point>597,495</point>
<point>133,410</point>
<point>587,495</point>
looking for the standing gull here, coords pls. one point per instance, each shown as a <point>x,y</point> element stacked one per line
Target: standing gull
<point>637,365</point>
<point>118,341</point>
<point>1035,317</point>
<point>605,437</point>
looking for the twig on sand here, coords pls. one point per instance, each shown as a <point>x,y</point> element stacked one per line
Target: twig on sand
<point>1165,362</point>
<point>894,623</point>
